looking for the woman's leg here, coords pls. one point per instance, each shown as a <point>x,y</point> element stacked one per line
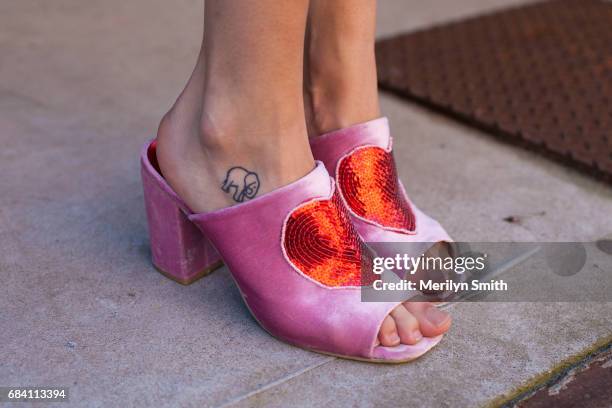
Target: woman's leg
<point>340,71</point>
<point>340,89</point>
<point>242,106</point>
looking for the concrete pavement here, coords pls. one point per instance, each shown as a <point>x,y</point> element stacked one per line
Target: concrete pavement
<point>83,85</point>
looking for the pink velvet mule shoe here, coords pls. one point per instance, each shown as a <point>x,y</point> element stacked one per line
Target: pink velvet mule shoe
<point>361,160</point>
<point>294,254</point>
<point>178,249</point>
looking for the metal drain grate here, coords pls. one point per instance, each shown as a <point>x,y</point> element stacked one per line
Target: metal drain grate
<point>539,74</point>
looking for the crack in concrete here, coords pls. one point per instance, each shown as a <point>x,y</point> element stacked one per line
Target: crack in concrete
<point>275,383</point>
<point>551,376</point>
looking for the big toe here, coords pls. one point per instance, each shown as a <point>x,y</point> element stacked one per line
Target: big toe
<point>432,321</point>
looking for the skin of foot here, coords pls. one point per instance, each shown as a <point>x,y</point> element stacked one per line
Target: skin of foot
<point>238,129</point>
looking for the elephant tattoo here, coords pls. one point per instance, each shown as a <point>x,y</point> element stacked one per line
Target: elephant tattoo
<point>241,183</point>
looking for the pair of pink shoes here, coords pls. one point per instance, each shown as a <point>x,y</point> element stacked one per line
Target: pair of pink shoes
<point>297,253</point>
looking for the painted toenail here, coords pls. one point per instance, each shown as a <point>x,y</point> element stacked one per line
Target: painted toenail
<point>417,335</point>
<point>435,316</point>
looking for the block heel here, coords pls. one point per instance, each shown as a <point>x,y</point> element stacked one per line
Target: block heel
<point>179,249</point>
<point>295,256</point>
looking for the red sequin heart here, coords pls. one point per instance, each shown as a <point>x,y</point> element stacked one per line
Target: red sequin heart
<point>368,181</point>
<point>321,242</point>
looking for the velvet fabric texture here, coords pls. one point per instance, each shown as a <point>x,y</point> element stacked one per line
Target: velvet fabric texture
<point>288,304</point>
<point>332,147</point>
<point>178,248</point>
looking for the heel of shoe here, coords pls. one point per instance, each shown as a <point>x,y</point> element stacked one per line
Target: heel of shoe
<point>179,249</point>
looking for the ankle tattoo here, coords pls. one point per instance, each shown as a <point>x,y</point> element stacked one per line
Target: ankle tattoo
<point>241,183</point>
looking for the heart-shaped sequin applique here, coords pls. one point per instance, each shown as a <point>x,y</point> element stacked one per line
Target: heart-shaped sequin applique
<point>321,242</point>
<point>368,181</point>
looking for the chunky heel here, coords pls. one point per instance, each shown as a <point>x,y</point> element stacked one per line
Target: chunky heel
<point>293,247</point>
<point>179,249</point>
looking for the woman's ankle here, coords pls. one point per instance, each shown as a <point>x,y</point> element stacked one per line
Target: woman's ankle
<point>335,101</point>
<point>340,84</point>
<point>326,113</point>
<point>197,158</point>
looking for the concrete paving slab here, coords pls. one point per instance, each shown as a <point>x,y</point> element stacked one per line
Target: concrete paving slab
<point>491,349</point>
<point>82,86</point>
<point>81,304</point>
<point>472,182</point>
